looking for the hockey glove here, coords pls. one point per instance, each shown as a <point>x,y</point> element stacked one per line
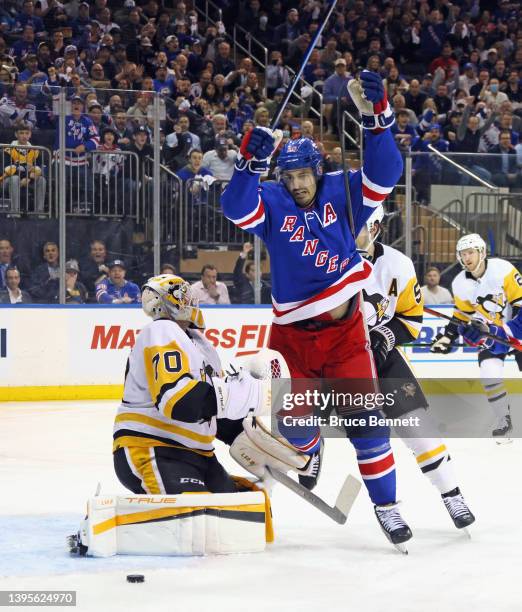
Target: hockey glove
<point>496,348</point>
<point>443,342</point>
<point>370,97</point>
<point>240,395</point>
<point>473,332</point>
<point>382,340</point>
<point>257,148</point>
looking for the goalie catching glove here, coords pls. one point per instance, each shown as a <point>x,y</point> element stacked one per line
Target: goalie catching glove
<point>257,147</point>
<point>370,97</point>
<point>240,394</point>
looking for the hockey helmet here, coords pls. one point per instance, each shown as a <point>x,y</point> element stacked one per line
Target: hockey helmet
<point>170,297</point>
<point>300,153</point>
<point>471,241</point>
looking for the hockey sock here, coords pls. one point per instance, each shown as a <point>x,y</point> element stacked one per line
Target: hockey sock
<point>377,468</point>
<point>497,395</point>
<point>433,460</point>
<point>491,371</point>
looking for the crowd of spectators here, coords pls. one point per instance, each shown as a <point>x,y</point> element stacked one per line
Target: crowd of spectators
<point>98,277</point>
<point>452,71</point>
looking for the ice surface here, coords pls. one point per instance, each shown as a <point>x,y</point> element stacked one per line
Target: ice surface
<point>52,456</point>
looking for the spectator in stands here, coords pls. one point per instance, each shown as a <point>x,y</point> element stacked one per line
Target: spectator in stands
<point>220,161</point>
<point>23,173</point>
<point>223,63</point>
<point>468,79</point>
<point>442,100</point>
<point>196,179</point>
<point>277,74</point>
<point>403,132</point>
<point>432,35</point>
<point>492,95</point>
<point>167,268</point>
<point>446,62</point>
<point>81,137</point>
<point>9,260</point>
<point>26,44</point>
<point>244,279</point>
<point>137,178</point>
<point>503,162</point>
<point>182,133</point>
<point>468,138</point>
<point>414,98</point>
<point>287,32</point>
<point>121,125</point>
<point>107,166</point>
<point>432,292</point>
<point>428,167</point>
<point>44,282</point>
<point>12,294</point>
<point>115,289</point>
<point>75,292</point>
<point>334,89</point>
<point>94,267</point>
<point>18,108</point>
<point>209,290</point>
<point>334,161</point>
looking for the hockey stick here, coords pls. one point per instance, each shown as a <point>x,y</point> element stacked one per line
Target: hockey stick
<point>345,499</point>
<point>486,335</point>
<point>297,75</point>
<point>346,170</point>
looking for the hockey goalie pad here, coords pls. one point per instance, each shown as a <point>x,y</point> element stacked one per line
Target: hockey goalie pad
<point>256,447</point>
<point>186,524</point>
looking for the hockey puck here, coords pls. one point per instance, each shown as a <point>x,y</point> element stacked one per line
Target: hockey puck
<point>135,578</point>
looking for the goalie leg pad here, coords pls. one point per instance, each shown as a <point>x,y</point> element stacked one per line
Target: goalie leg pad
<point>186,524</point>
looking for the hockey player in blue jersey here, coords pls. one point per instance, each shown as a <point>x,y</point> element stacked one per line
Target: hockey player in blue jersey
<point>317,273</point>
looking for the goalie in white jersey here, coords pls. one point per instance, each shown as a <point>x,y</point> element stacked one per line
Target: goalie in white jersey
<point>174,395</point>
<point>393,305</point>
<point>488,292</point>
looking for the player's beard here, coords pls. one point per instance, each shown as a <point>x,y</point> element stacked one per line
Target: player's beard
<point>305,200</point>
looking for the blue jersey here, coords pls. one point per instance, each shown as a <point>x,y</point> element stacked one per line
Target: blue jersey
<point>80,131</point>
<point>314,262</point>
<point>107,292</point>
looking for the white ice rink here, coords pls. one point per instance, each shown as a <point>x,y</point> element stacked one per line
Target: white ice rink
<point>52,455</point>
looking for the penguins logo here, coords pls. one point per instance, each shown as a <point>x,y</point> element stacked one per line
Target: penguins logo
<point>409,389</point>
<point>492,303</point>
<point>379,304</point>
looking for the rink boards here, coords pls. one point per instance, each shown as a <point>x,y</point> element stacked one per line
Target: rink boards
<point>79,352</point>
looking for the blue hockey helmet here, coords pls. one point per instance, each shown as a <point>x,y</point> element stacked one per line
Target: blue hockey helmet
<point>300,153</point>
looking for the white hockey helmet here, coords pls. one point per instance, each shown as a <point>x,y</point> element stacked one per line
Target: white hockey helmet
<point>471,241</point>
<point>170,297</point>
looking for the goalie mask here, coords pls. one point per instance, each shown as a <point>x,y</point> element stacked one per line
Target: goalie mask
<point>170,297</point>
<point>471,241</point>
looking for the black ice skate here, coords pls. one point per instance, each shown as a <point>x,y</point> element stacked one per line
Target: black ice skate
<point>393,525</point>
<point>460,514</point>
<point>503,426</point>
<point>312,470</point>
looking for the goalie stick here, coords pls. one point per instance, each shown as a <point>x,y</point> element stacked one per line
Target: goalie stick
<point>490,336</point>
<point>345,499</point>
